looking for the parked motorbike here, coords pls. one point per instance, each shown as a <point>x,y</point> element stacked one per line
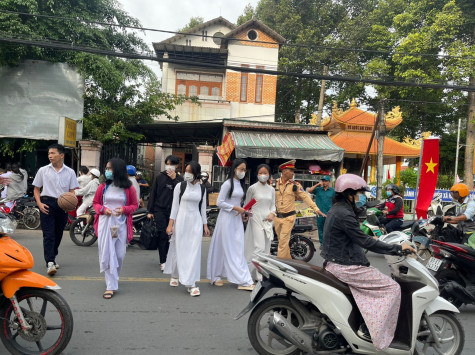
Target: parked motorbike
<point>212,217</point>
<point>316,313</point>
<point>25,211</point>
<point>436,208</point>
<point>82,231</point>
<point>301,247</point>
<point>453,265</point>
<point>34,318</point>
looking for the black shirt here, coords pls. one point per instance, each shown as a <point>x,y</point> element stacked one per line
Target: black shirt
<point>161,197</point>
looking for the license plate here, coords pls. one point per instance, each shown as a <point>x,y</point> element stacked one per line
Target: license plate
<point>433,264</point>
<point>256,291</point>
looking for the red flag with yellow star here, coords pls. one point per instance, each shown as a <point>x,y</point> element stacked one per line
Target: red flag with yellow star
<point>429,167</point>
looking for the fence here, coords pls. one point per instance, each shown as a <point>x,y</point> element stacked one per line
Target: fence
<point>125,151</point>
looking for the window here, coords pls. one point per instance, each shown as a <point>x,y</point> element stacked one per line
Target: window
<point>252,35</point>
<point>193,90</point>
<point>204,36</point>
<point>244,78</point>
<point>259,82</point>
<point>188,42</point>
<point>192,84</point>
<point>217,38</point>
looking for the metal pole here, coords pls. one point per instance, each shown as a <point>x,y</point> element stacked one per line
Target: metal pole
<point>457,152</point>
<point>322,97</point>
<point>418,178</point>
<point>380,162</point>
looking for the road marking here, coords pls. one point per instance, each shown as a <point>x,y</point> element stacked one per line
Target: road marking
<point>122,279</point>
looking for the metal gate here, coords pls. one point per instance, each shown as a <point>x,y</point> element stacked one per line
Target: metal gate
<point>125,151</point>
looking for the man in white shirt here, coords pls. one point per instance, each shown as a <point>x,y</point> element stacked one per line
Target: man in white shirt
<point>50,182</point>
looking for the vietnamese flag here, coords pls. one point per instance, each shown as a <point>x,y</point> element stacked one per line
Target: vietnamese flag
<point>429,170</point>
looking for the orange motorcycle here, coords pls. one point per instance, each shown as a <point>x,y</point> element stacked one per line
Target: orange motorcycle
<point>34,318</point>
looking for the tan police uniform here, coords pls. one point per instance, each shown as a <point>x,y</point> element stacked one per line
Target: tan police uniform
<point>285,197</point>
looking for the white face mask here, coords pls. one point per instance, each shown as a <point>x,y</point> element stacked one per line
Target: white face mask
<point>170,167</point>
<point>188,177</point>
<point>240,174</point>
<point>263,177</point>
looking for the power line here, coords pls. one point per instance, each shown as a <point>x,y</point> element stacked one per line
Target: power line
<point>239,39</point>
<point>149,56</point>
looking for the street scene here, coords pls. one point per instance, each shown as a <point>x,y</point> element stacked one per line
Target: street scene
<point>250,177</point>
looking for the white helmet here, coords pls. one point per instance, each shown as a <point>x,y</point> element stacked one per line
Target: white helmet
<point>95,172</point>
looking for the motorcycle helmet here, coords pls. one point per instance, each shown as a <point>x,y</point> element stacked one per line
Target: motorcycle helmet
<point>131,170</point>
<point>394,188</point>
<point>462,189</point>
<point>350,181</point>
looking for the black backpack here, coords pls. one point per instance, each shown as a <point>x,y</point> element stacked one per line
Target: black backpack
<point>149,234</point>
<point>183,188</point>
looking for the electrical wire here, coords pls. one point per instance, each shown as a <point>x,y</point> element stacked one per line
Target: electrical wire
<point>145,29</point>
<point>149,56</point>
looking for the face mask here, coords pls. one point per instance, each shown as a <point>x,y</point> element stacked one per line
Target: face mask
<point>263,177</point>
<point>170,167</point>
<point>388,193</point>
<point>109,175</point>
<point>362,201</point>
<point>188,177</point>
<point>240,174</point>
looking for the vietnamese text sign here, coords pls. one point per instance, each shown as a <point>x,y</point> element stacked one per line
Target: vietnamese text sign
<point>67,132</point>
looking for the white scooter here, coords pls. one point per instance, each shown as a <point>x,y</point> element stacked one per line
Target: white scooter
<point>316,313</point>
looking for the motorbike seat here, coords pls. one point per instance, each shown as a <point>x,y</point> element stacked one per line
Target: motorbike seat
<point>319,274</point>
<point>302,228</point>
<point>468,249</point>
<point>141,210</point>
<point>407,224</point>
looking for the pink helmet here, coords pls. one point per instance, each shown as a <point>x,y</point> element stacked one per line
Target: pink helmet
<point>350,181</point>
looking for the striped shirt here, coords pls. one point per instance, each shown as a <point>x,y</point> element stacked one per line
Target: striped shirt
<point>55,183</point>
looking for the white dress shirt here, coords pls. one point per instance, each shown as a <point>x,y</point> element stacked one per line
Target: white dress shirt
<point>55,183</point>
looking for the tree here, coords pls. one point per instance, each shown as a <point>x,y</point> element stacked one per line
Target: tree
<point>114,96</point>
<point>248,14</point>
<point>194,21</point>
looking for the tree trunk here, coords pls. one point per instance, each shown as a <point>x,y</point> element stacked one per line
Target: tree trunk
<point>470,139</point>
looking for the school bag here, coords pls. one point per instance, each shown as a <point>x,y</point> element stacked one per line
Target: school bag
<point>149,235</point>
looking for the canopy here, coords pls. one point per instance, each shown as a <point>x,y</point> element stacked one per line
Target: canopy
<point>314,146</point>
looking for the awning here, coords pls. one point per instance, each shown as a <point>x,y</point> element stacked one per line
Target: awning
<point>314,146</point>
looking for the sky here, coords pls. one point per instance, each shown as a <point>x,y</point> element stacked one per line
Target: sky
<point>171,15</point>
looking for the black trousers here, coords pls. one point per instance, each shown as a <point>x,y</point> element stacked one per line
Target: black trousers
<point>161,221</point>
<point>52,225</point>
<point>392,224</point>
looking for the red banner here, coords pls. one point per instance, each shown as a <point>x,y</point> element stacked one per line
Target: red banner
<point>225,150</point>
<point>429,167</point>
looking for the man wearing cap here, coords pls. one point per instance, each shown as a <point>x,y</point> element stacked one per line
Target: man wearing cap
<point>323,197</point>
<point>286,192</point>
<point>88,191</point>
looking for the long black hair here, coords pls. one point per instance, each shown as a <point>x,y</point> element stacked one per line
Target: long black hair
<point>195,169</point>
<point>16,170</point>
<point>120,176</point>
<point>231,174</point>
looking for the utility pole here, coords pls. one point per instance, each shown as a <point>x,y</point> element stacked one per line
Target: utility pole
<point>457,152</point>
<point>380,133</point>
<point>322,98</point>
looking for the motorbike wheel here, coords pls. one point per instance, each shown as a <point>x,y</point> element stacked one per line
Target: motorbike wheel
<point>263,340</point>
<point>301,248</point>
<point>50,316</point>
<point>75,232</point>
<point>445,276</point>
<point>449,330</point>
<point>31,218</point>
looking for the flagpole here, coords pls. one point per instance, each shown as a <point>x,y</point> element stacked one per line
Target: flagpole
<point>418,178</point>
<point>457,152</point>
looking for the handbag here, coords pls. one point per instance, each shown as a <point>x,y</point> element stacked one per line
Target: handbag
<point>149,235</point>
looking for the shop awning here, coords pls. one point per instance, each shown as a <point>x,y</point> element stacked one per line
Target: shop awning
<point>314,146</point>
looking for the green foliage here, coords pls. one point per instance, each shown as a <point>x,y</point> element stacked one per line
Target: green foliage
<point>11,146</point>
<point>248,14</point>
<point>445,181</point>
<point>194,21</point>
<point>409,178</point>
<point>114,96</point>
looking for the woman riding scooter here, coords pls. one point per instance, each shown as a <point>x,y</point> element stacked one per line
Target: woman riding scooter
<point>394,209</point>
<point>378,296</point>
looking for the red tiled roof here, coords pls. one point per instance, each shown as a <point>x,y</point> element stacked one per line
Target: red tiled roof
<point>357,143</point>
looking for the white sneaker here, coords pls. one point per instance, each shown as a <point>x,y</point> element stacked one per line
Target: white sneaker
<point>51,269</point>
<point>56,265</point>
<point>162,267</point>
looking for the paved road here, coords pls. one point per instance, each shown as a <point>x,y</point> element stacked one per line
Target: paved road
<point>147,316</point>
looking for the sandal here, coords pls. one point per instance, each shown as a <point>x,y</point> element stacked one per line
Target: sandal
<point>194,291</point>
<point>108,295</point>
<point>218,283</point>
<point>173,282</point>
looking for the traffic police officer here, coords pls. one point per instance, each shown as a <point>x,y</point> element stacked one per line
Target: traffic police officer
<point>286,192</point>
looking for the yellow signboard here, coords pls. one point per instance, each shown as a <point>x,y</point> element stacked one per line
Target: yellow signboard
<point>67,132</point>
